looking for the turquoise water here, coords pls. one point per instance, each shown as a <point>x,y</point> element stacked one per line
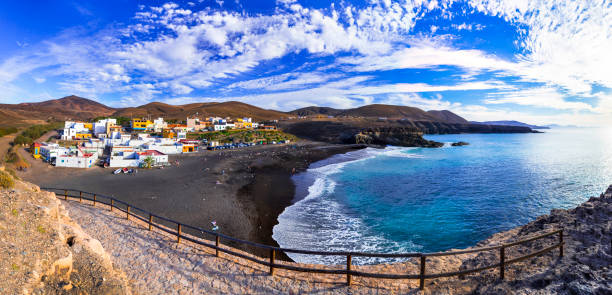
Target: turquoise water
<point>417,199</point>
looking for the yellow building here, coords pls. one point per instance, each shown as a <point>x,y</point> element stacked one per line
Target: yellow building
<point>82,136</point>
<point>141,124</point>
<point>88,126</point>
<point>35,149</point>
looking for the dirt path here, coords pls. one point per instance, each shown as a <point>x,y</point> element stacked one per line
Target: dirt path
<point>5,144</point>
<point>155,264</point>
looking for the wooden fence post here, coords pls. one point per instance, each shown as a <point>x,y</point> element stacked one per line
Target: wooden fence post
<point>127,213</point>
<point>65,195</point>
<point>80,197</point>
<point>502,261</point>
<point>217,244</point>
<point>94,200</point>
<point>150,220</point>
<point>272,256</point>
<point>178,234</point>
<point>348,269</point>
<point>111,205</point>
<point>422,275</point>
<point>561,243</point>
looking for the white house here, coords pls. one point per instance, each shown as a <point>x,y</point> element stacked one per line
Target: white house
<point>50,151</point>
<point>136,159</point>
<point>73,129</point>
<point>102,126</point>
<point>159,124</point>
<point>79,159</point>
<point>94,146</point>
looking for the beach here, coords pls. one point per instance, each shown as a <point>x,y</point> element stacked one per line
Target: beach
<point>243,190</point>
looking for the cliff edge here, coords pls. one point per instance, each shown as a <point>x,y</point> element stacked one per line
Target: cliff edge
<point>43,251</point>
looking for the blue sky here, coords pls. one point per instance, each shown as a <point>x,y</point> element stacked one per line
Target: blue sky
<point>538,61</point>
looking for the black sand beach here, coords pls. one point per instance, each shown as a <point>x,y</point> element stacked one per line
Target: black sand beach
<point>244,190</point>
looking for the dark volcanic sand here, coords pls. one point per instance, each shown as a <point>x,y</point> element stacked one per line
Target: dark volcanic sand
<point>255,186</point>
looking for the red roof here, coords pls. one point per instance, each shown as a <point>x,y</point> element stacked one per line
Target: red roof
<point>151,153</point>
<point>36,144</point>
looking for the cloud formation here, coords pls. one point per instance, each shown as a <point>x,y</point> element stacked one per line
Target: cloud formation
<point>342,55</point>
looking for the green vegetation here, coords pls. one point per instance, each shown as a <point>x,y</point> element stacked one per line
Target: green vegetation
<point>14,212</point>
<point>15,159</point>
<point>6,180</point>
<point>11,172</point>
<point>234,136</point>
<point>7,130</point>
<point>33,132</point>
<point>148,161</point>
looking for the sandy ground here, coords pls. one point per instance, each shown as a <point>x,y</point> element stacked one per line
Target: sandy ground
<point>243,190</point>
<point>155,264</point>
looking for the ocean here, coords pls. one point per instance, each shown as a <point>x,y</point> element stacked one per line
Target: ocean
<point>435,199</point>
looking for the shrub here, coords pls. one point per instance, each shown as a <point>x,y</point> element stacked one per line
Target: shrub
<point>11,172</point>
<point>6,180</point>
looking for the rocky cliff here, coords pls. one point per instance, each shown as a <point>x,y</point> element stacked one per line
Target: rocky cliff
<point>42,251</point>
<point>340,132</point>
<point>585,268</point>
<point>386,132</point>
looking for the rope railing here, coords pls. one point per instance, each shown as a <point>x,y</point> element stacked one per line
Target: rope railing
<point>153,221</point>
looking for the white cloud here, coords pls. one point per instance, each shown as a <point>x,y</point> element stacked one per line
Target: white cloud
<point>426,53</point>
<point>567,43</point>
<point>539,97</point>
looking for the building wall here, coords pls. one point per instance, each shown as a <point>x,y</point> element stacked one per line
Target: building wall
<point>76,162</point>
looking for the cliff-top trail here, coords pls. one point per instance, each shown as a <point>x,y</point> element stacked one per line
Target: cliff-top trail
<point>155,264</point>
<point>43,251</point>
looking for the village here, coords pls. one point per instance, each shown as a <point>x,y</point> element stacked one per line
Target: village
<point>147,143</point>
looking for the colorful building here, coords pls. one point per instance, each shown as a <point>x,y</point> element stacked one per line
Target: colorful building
<point>35,150</point>
<point>141,124</point>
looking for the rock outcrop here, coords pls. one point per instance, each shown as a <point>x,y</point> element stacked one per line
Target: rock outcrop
<point>44,252</point>
<point>397,136</point>
<point>348,133</point>
<point>585,268</point>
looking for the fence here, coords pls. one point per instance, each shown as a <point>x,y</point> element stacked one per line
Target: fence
<point>166,225</point>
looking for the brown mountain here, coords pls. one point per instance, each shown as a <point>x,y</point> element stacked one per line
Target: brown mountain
<point>384,111</point>
<point>69,107</point>
<point>223,109</point>
<point>313,111</point>
<point>448,117</point>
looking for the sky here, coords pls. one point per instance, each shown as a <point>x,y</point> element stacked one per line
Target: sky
<point>538,61</point>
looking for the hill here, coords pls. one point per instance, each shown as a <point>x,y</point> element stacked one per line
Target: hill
<point>223,109</point>
<point>69,107</point>
<point>384,111</point>
<point>314,110</point>
<point>511,123</point>
<point>448,117</point>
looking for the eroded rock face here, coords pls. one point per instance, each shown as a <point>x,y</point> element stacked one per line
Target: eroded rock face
<point>42,251</point>
<point>585,268</point>
<point>397,136</point>
<point>360,132</point>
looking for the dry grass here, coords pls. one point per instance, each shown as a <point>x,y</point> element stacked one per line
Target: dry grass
<point>6,180</point>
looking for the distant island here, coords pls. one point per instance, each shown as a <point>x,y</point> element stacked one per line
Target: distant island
<point>511,123</point>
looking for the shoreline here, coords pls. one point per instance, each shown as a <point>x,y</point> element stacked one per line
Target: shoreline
<point>243,190</point>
